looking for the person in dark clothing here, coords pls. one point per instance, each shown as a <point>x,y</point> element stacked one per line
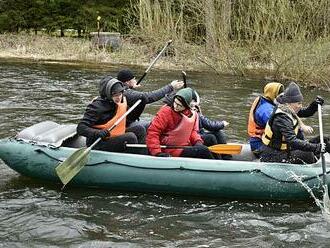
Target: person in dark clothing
<point>263,107</point>
<point>177,125</point>
<point>128,79</point>
<point>281,142</point>
<point>211,131</point>
<point>102,113</point>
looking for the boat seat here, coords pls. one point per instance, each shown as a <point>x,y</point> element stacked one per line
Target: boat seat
<point>47,133</point>
<point>76,141</point>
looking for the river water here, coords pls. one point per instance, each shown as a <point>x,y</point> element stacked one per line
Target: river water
<point>38,214</point>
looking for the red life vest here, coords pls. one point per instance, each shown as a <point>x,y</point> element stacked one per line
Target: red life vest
<point>254,130</point>
<point>180,135</point>
<point>121,127</point>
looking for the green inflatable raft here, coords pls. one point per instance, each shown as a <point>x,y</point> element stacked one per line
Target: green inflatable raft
<point>37,150</point>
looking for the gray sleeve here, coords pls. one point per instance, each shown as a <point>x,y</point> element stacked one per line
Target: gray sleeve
<point>156,95</point>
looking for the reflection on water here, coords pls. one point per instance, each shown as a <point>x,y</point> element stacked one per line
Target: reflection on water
<point>37,214</point>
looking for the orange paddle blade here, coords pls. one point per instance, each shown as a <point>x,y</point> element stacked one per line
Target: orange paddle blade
<point>226,148</point>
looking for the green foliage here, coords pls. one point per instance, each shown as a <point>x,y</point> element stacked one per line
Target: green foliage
<point>53,15</point>
<point>190,21</point>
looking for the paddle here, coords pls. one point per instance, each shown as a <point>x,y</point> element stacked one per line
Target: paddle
<point>73,164</point>
<point>219,148</point>
<point>184,76</point>
<point>324,169</point>
<point>154,61</point>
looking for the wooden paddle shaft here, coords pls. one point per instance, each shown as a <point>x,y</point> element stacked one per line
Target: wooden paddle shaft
<point>184,76</point>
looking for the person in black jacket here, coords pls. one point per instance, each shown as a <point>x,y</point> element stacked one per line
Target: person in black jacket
<point>104,110</point>
<point>281,140</point>
<point>128,79</point>
<point>211,131</point>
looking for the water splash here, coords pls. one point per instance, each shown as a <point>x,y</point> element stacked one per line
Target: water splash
<point>324,204</point>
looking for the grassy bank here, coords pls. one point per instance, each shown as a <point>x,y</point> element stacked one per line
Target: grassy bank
<point>306,62</point>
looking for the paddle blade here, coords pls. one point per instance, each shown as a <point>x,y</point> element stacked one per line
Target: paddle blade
<point>72,165</point>
<point>226,148</point>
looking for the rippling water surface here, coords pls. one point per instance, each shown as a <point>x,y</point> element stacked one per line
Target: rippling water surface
<point>37,214</point>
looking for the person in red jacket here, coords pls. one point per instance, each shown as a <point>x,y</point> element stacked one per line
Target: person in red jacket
<point>176,125</point>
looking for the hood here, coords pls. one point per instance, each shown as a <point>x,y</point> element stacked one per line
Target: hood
<point>106,85</point>
<point>272,90</point>
<point>186,95</point>
<point>103,85</point>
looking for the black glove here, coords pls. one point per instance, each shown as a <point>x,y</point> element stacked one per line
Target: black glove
<point>318,100</point>
<point>103,134</point>
<point>323,149</point>
<point>327,147</point>
<point>163,154</point>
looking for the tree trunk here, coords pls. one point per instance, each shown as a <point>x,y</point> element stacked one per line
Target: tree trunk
<point>62,32</point>
<point>225,24</point>
<point>210,28</point>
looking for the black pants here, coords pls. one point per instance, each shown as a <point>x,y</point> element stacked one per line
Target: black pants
<point>133,135</point>
<point>198,151</point>
<point>139,131</point>
<point>293,157</point>
<point>144,123</point>
<point>302,157</point>
<point>213,138</point>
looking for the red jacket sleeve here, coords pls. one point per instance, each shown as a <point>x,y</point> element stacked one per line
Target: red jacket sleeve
<point>156,128</point>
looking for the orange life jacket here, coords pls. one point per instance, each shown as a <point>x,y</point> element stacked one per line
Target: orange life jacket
<point>120,128</point>
<point>180,135</point>
<point>254,130</point>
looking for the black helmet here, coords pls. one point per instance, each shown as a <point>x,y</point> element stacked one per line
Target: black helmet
<point>125,75</point>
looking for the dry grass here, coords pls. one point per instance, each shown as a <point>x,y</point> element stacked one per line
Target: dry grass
<point>44,47</point>
<point>307,62</point>
<point>280,39</point>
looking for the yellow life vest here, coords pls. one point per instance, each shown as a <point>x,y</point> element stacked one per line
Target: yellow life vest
<point>121,127</point>
<point>267,137</point>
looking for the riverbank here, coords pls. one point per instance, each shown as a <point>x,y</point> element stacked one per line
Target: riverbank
<point>67,49</point>
<point>305,62</point>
